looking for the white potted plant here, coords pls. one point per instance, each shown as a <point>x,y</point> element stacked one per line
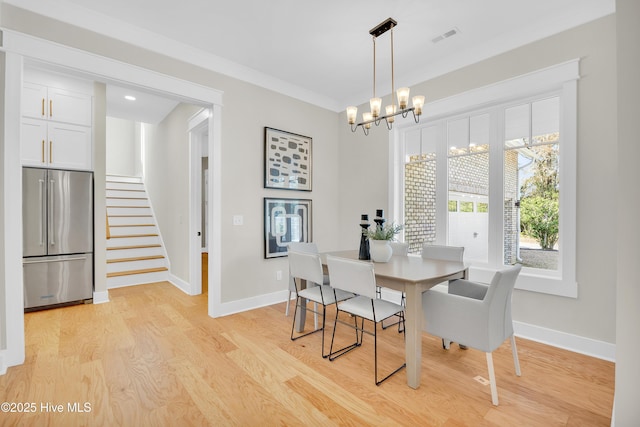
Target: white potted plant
<point>379,239</point>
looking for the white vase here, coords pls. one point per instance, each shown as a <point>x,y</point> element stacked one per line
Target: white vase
<point>380,250</point>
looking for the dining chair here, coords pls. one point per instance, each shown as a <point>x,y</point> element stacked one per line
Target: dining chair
<point>304,266</point>
<point>308,247</point>
<point>358,277</point>
<point>482,321</point>
<point>443,253</point>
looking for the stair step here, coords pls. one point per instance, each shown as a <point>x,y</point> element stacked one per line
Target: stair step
<point>132,225</point>
<point>124,179</point>
<point>124,236</point>
<point>126,198</point>
<point>133,253</point>
<point>128,210</point>
<point>138,258</point>
<point>121,186</point>
<point>117,248</point>
<point>131,272</point>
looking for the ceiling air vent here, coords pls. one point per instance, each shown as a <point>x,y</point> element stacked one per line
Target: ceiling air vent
<point>446,35</point>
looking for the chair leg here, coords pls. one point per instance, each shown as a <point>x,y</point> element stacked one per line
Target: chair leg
<point>324,317</point>
<point>492,379</point>
<point>375,355</point>
<point>315,315</point>
<point>514,350</point>
<point>333,355</point>
<point>293,324</point>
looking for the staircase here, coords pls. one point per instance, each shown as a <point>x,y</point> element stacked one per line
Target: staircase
<point>135,254</point>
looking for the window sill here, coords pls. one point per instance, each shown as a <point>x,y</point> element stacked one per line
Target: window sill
<point>531,282</point>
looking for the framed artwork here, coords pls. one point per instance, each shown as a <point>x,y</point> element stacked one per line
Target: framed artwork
<point>285,221</point>
<point>287,160</point>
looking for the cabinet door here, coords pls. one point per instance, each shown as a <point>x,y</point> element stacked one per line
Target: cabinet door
<point>34,149</point>
<point>34,100</point>
<point>70,146</point>
<point>69,107</point>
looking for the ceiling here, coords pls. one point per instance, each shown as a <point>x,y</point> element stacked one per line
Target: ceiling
<point>321,51</point>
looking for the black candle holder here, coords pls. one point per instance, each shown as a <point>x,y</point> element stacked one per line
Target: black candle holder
<point>364,252</point>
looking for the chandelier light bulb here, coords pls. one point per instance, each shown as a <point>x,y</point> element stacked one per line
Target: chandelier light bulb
<point>367,117</point>
<point>376,104</point>
<point>390,110</point>
<point>403,97</point>
<point>352,114</point>
<point>418,103</point>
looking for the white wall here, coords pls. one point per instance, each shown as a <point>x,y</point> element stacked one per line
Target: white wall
<point>121,147</point>
<point>167,181</point>
<point>364,171</point>
<point>3,318</point>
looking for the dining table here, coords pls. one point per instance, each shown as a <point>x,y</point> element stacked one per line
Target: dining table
<point>412,275</point>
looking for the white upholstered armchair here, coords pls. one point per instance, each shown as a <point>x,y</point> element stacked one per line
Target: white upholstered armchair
<point>480,317</point>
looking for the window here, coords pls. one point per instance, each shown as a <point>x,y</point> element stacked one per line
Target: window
<point>531,184</point>
<point>494,171</point>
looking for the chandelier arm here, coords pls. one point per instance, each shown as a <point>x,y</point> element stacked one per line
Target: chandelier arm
<point>374,66</point>
<point>377,120</point>
<point>393,91</point>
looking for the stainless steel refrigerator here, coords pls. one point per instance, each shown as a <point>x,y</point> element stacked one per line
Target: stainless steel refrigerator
<point>57,235</point>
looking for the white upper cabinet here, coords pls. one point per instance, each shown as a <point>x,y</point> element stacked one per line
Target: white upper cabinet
<point>56,123</point>
<point>61,105</point>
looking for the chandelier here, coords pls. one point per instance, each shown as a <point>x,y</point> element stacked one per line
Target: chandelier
<point>391,111</point>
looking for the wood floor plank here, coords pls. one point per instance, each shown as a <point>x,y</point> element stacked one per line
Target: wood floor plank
<point>153,357</point>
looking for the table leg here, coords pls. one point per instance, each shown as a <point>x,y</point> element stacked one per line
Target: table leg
<point>413,331</point>
<point>301,312</point>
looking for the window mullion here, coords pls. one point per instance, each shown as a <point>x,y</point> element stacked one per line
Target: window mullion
<point>442,184</point>
<point>496,190</point>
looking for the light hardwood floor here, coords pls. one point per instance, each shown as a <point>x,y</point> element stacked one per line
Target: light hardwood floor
<point>152,357</point>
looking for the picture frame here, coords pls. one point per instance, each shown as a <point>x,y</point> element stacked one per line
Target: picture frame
<point>285,221</point>
<point>287,160</point>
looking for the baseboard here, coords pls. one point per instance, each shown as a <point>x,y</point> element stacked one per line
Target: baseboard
<point>571,342</point>
<point>180,284</point>
<point>100,297</point>
<point>3,367</point>
<point>590,347</point>
<point>227,308</point>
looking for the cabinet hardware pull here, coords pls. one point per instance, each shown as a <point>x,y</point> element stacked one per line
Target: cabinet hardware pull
<point>50,107</point>
<point>42,106</point>
<point>50,151</point>
<point>43,151</point>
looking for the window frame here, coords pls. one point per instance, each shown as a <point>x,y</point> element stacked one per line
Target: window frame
<point>560,80</point>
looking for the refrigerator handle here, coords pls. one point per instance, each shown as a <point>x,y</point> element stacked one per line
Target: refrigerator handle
<point>45,261</point>
<point>51,211</point>
<point>43,212</point>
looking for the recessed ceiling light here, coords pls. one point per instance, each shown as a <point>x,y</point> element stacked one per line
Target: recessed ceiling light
<point>130,98</point>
